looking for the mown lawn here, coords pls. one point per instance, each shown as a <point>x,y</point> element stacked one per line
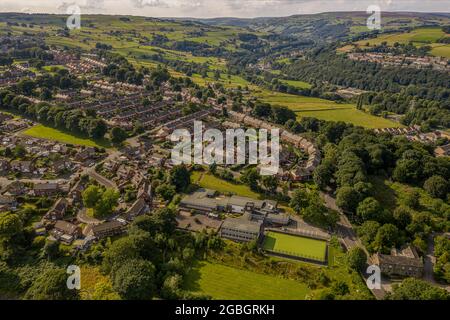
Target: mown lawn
<point>44,132</point>
<point>227,283</point>
<point>296,246</point>
<point>208,181</point>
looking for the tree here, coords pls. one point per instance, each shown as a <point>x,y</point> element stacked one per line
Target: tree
<point>402,216</point>
<point>10,224</point>
<point>387,238</point>
<point>367,232</point>
<point>180,177</point>
<point>118,135</point>
<point>171,287</point>
<point>415,289</point>
<point>135,280</point>
<point>51,250</point>
<point>436,186</point>
<point>107,203</point>
<point>412,199</point>
<point>91,196</point>
<point>356,258</point>
<point>370,209</point>
<point>251,177</point>
<point>317,214</point>
<point>347,199</point>
<point>166,191</point>
<point>103,290</point>
<point>51,285</point>
<point>120,251</point>
<point>300,200</point>
<point>270,183</point>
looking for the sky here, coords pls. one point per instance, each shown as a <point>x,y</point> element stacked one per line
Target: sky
<point>219,8</point>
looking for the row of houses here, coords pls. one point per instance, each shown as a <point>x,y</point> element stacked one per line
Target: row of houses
<point>302,173</point>
<point>402,60</point>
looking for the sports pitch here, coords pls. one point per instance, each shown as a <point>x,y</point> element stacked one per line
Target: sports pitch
<point>295,246</point>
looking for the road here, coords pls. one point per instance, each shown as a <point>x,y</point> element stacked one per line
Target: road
<point>349,238</point>
<point>429,262</point>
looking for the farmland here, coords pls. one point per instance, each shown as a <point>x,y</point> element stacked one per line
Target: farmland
<point>295,246</point>
<point>419,37</point>
<point>228,283</point>
<point>325,110</point>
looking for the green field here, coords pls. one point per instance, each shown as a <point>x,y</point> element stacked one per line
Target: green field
<point>43,132</point>
<point>227,283</point>
<point>208,181</point>
<point>296,246</point>
<point>419,37</point>
<point>326,110</point>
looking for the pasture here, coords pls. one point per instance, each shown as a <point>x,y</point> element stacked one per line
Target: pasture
<point>228,283</point>
<point>326,110</point>
<point>295,246</point>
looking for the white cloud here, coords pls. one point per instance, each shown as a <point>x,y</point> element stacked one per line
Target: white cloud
<point>215,8</point>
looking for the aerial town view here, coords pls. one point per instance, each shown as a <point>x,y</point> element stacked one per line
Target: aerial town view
<point>241,150</point>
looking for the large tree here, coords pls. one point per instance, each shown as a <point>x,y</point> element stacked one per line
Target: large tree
<point>135,280</point>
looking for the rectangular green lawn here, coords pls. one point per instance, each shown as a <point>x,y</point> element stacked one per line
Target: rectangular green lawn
<point>227,283</point>
<point>43,132</point>
<point>295,246</point>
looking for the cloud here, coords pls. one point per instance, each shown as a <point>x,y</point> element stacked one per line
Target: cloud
<point>220,8</point>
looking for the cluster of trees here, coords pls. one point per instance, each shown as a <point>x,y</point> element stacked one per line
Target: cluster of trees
<point>168,184</point>
<point>352,156</point>
<point>415,289</point>
<point>310,206</point>
<point>121,70</point>
<point>423,94</point>
<point>57,116</point>
<point>103,202</point>
<point>273,113</point>
<point>153,258</point>
<point>442,254</point>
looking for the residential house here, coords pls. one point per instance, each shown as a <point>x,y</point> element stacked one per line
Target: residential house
<point>86,154</point>
<point>61,165</point>
<point>138,208</point>
<point>15,188</point>
<point>22,166</point>
<point>403,263</point>
<point>7,203</point>
<point>46,189</point>
<point>65,232</point>
<point>442,151</point>
<point>58,210</point>
<point>4,166</point>
<point>108,229</point>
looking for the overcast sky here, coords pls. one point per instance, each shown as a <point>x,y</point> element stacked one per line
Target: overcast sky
<point>219,8</point>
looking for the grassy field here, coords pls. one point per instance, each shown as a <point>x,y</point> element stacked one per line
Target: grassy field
<point>419,37</point>
<point>296,246</point>
<point>227,283</point>
<point>44,132</point>
<point>326,110</point>
<point>208,181</point>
